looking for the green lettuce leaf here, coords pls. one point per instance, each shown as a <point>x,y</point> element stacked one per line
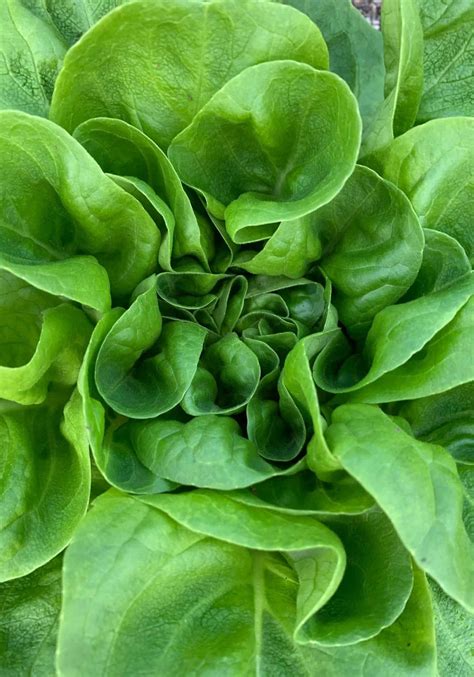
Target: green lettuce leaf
<point>394,467</point>
<point>183,53</point>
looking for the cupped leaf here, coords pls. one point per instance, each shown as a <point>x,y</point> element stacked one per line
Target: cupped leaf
<point>432,165</point>
<point>444,261</point>
<point>183,53</point>
<point>149,386</point>
<point>226,379</point>
<point>376,561</point>
<point>57,203</point>
<point>393,466</point>
<point>251,149</point>
<point>120,467</point>
<point>443,363</point>
<point>372,245</point>
<point>29,626</point>
<point>355,49</point>
<point>447,59</point>
<point>42,341</point>
<point>45,482</point>
<point>123,150</point>
<point>188,585</point>
<point>274,422</point>
<point>290,251</point>
<point>413,349</point>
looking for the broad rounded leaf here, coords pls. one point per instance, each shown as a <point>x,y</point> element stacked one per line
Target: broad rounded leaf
<point>183,53</point>
<point>263,147</point>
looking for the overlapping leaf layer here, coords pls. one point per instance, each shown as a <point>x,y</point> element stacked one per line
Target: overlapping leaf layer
<point>236,339</point>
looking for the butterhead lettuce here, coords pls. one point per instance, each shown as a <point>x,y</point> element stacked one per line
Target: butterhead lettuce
<point>236,339</point>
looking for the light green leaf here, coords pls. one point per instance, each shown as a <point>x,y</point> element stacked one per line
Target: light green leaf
<point>183,53</point>
<point>42,341</point>
<point>305,494</point>
<point>56,203</point>
<point>45,482</point>
<point>74,17</point>
<point>298,379</point>
<point>444,260</point>
<point>446,419</point>
<point>125,151</point>
<point>207,451</point>
<point>394,467</point>
<point>191,587</point>
<point>432,165</point>
<point>120,467</point>
<point>255,159</point>
<point>413,349</point>
<point>376,561</point>
<point>226,379</point>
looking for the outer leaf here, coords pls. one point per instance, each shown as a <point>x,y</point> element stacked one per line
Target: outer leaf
<point>403,56</point>
<point>255,159</point>
<point>432,165</point>
<point>245,599</point>
<point>183,53</point>
<point>349,615</point>
<point>355,49</point>
<point>432,530</point>
<point>80,278</point>
<point>447,59</point>
<point>446,419</point>
<point>414,349</point>
<point>74,17</point>
<point>56,203</point>
<point>376,561</point>
<point>304,493</point>
<point>45,482</point>
<point>454,632</point>
<point>29,622</point>
<point>31,51</point>
<point>42,341</point>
